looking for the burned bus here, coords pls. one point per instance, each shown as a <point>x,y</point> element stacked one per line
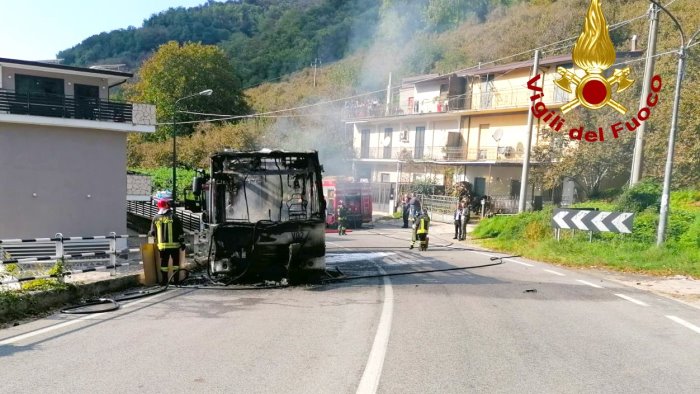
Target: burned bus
<point>265,215</point>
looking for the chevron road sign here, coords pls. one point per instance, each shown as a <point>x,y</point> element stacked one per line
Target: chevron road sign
<point>616,222</point>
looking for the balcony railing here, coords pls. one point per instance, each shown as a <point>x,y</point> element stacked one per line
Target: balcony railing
<point>476,101</point>
<point>446,153</point>
<point>59,106</point>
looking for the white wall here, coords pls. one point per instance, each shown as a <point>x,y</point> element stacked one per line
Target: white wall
<point>78,176</point>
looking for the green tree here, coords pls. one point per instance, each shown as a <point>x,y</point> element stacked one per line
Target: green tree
<point>176,71</point>
<point>590,164</point>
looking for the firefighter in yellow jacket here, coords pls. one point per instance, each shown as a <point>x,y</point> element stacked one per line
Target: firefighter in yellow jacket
<point>342,217</point>
<point>420,230</point>
<point>167,228</point>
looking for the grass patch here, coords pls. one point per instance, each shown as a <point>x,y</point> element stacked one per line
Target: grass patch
<point>531,235</point>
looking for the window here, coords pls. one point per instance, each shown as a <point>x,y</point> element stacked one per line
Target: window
<point>386,142</point>
<point>385,177</point>
<point>39,96</point>
<point>483,143</point>
<point>479,186</point>
<point>486,92</point>
<point>420,143</point>
<point>364,144</point>
<point>29,84</point>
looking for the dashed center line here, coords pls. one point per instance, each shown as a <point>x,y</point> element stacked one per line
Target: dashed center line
<point>684,323</point>
<point>630,299</point>
<point>589,284</point>
<point>554,272</point>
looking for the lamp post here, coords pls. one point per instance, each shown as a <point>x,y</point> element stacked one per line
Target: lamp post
<point>666,193</point>
<point>207,92</point>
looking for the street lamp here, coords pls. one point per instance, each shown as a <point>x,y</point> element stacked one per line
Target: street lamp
<point>666,194</point>
<point>207,92</point>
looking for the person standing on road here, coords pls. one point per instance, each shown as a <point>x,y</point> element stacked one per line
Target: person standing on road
<point>420,230</point>
<point>167,228</point>
<point>405,210</point>
<point>342,218</point>
<point>459,217</point>
<point>415,206</point>
<point>466,215</point>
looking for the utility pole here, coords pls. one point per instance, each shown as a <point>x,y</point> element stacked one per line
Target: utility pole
<point>388,97</point>
<point>528,143</point>
<point>315,64</point>
<point>637,157</point>
<point>668,170</point>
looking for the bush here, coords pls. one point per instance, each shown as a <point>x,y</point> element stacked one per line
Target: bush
<point>691,238</point>
<point>645,194</point>
<point>528,225</point>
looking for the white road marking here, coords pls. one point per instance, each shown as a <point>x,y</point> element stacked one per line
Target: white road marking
<point>554,272</point>
<point>589,284</point>
<point>519,262</point>
<point>684,323</point>
<point>362,256</point>
<point>373,369</point>
<point>630,299</point>
<point>511,260</point>
<point>71,322</point>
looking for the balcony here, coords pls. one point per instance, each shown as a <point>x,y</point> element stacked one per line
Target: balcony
<point>477,101</point>
<point>446,154</point>
<point>70,107</point>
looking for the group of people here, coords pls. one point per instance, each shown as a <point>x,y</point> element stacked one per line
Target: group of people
<point>410,207</point>
<point>461,217</point>
<point>411,210</point>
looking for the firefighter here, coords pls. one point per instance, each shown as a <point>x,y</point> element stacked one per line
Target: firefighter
<point>342,217</point>
<point>420,230</point>
<point>167,229</point>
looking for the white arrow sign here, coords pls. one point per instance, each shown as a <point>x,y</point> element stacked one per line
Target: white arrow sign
<point>577,220</point>
<point>559,219</point>
<point>618,222</point>
<point>598,221</point>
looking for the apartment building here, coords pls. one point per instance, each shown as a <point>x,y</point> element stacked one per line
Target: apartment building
<point>63,149</point>
<point>470,125</point>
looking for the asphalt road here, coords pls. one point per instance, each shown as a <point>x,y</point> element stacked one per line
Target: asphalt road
<point>521,326</point>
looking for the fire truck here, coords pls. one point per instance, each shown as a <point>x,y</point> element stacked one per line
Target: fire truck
<point>356,196</point>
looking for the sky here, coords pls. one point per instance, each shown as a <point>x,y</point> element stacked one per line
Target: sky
<point>39,29</point>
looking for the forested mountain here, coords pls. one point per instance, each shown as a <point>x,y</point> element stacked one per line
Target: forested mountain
<point>266,39</point>
<point>360,42</point>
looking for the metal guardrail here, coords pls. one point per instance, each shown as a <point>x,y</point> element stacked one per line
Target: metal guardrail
<point>191,222</point>
<point>60,106</point>
<point>439,204</point>
<point>34,263</point>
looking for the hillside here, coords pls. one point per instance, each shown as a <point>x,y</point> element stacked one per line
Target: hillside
<point>506,35</point>
<point>358,43</point>
<point>277,37</point>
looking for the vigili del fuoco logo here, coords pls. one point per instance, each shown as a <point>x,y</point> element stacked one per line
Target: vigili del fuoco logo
<point>594,54</point>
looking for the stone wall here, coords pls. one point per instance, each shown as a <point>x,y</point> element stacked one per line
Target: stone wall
<point>138,187</point>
